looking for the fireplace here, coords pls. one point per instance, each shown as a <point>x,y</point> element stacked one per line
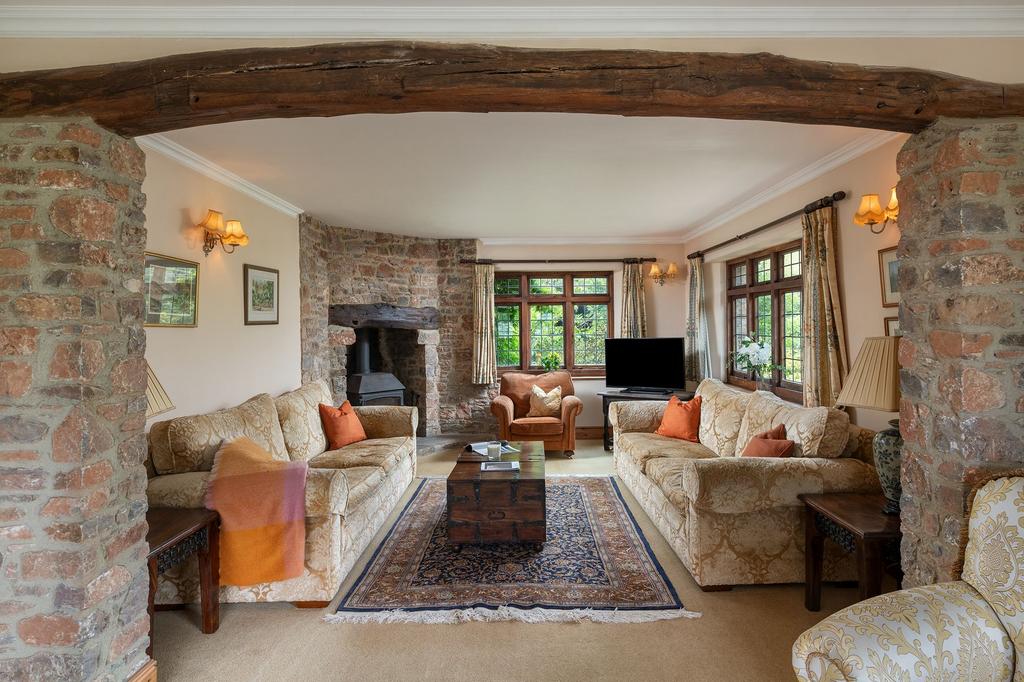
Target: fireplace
<point>366,387</point>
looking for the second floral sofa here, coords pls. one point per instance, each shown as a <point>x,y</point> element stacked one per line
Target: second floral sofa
<point>737,520</point>
<point>349,492</point>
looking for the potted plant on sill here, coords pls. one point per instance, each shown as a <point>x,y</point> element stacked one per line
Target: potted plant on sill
<point>755,358</point>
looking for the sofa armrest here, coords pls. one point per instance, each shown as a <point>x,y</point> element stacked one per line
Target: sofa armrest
<point>388,421</point>
<point>572,406</point>
<point>326,492</point>
<point>632,416</point>
<point>736,485</point>
<point>919,633</point>
<point>504,411</point>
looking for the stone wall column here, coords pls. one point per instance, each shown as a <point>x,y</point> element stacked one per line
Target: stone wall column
<point>314,289</point>
<point>73,591</point>
<point>962,276</point>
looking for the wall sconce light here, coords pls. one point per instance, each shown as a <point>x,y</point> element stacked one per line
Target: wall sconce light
<point>659,276</point>
<point>871,212</point>
<point>217,231</point>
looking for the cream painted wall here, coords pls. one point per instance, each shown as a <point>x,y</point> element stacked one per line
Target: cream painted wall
<point>874,172</point>
<point>665,304</point>
<point>221,362</point>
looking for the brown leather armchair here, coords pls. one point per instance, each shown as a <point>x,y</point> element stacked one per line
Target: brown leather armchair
<point>511,406</point>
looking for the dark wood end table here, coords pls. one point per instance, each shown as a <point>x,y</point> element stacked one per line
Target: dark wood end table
<point>609,397</point>
<point>498,506</point>
<point>174,535</point>
<point>858,524</point>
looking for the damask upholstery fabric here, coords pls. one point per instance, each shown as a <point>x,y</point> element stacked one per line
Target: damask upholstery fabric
<point>191,442</point>
<point>721,412</point>
<point>645,447</point>
<point>385,453</point>
<point>817,431</point>
<point>936,633</point>
<point>182,491</point>
<point>636,416</point>
<point>362,483</point>
<point>386,421</point>
<point>297,413</point>
<point>860,445</point>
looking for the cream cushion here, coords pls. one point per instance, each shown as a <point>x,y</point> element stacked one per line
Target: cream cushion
<point>545,404</point>
<point>721,413</point>
<point>299,414</point>
<point>379,452</point>
<point>817,431</point>
<point>645,447</point>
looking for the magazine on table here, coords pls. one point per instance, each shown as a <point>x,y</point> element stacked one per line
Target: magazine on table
<point>481,448</point>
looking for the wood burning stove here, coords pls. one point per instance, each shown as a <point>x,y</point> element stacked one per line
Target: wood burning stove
<point>366,387</point>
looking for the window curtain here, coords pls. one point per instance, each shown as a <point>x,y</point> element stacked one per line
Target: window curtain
<point>698,351</point>
<point>485,365</point>
<point>824,334</point>
<point>634,309</point>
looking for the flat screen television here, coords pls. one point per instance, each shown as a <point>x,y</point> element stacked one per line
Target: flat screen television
<point>652,364</point>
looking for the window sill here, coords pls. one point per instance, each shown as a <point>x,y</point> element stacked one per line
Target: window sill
<point>586,376</point>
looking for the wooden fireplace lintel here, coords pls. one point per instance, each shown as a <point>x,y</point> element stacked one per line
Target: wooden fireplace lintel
<point>382,315</point>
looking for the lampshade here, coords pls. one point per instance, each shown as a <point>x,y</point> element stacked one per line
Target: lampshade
<point>870,211</point>
<point>892,210</point>
<point>157,400</point>
<point>655,270</point>
<point>213,222</point>
<point>234,234</point>
<point>673,270</point>
<point>874,381</point>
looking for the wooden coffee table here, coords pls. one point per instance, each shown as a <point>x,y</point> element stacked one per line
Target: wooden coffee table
<point>498,506</point>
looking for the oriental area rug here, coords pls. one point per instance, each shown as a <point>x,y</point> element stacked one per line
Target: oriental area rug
<point>596,565</point>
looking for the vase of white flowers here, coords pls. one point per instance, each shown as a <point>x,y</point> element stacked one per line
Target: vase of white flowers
<point>755,357</point>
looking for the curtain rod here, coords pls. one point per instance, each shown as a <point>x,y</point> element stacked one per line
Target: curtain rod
<point>493,261</point>
<point>809,208</point>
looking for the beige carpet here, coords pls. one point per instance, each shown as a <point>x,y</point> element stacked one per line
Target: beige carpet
<point>744,634</point>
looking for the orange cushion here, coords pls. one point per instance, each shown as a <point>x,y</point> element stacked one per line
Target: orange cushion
<point>771,443</point>
<point>681,419</point>
<point>342,425</point>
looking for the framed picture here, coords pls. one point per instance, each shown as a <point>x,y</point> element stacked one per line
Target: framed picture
<point>171,288</point>
<point>262,293</point>
<point>892,326</point>
<point>889,270</point>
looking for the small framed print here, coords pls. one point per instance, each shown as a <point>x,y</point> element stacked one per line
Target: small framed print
<point>262,294</point>
<point>892,326</point>
<point>888,272</point>
<point>171,288</point>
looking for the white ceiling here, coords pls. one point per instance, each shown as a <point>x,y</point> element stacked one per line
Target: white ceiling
<point>576,177</point>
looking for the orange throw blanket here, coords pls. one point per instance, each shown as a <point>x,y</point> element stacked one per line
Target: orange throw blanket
<point>262,507</point>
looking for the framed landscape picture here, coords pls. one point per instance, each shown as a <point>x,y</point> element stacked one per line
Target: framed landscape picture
<point>262,293</point>
<point>171,288</point>
<point>892,326</point>
<point>888,271</point>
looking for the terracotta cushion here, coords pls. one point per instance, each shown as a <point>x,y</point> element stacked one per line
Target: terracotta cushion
<point>518,385</point>
<point>681,420</point>
<point>342,425</point>
<point>537,426</point>
<point>771,443</point>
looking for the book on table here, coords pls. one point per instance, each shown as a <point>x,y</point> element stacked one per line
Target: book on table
<point>499,466</point>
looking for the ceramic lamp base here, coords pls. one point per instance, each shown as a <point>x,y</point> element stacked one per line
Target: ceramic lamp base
<point>888,446</point>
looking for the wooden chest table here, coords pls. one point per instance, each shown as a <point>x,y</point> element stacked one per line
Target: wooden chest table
<point>498,506</point>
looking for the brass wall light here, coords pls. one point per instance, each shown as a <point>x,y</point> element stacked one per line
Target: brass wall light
<point>217,231</point>
<point>661,276</point>
<point>871,212</point>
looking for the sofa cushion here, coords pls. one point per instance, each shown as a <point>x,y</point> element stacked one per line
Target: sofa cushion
<point>536,426</point>
<point>380,452</point>
<point>181,491</point>
<point>721,412</point>
<point>817,431</point>
<point>341,424</point>
<point>681,419</point>
<point>191,442</point>
<point>645,447</point>
<point>300,419</point>
<point>363,482</point>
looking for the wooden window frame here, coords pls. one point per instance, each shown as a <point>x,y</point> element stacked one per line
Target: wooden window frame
<point>568,300</point>
<point>776,287</point>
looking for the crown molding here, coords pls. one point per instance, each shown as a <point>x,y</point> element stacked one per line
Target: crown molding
<point>577,241</point>
<point>845,154</point>
<point>375,22</point>
<point>190,159</point>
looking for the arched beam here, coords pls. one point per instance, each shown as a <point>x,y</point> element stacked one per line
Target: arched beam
<point>181,91</point>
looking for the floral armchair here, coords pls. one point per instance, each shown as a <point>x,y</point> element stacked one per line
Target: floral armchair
<point>970,629</point>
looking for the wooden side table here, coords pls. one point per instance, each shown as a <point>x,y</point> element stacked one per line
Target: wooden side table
<point>856,522</point>
<point>174,535</point>
<point>609,397</point>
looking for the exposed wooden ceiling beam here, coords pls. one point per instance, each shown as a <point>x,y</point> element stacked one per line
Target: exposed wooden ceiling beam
<point>180,91</point>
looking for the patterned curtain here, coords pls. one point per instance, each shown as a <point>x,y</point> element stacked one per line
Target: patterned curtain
<point>634,309</point>
<point>485,364</point>
<point>698,351</point>
<point>824,353</point>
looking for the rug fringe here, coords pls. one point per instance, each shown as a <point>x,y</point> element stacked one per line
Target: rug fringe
<point>508,613</point>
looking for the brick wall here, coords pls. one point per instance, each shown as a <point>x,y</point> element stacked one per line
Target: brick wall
<point>344,265</point>
<point>72,404</point>
<point>962,274</point>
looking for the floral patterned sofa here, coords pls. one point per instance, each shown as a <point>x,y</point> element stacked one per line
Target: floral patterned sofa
<point>970,629</point>
<point>349,492</point>
<point>737,520</point>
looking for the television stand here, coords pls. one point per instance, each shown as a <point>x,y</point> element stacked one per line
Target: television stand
<point>609,397</point>
<point>648,391</point>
